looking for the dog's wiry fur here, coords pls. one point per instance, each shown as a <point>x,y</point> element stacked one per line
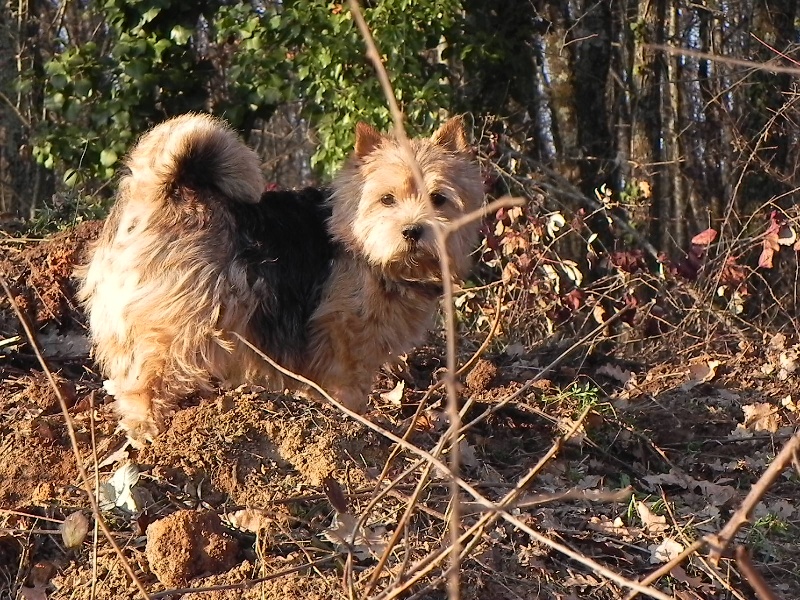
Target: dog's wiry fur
<point>330,283</point>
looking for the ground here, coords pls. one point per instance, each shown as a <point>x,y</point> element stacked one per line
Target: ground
<point>245,488</point>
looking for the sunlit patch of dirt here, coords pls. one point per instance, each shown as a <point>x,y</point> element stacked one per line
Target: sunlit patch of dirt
<point>41,277</point>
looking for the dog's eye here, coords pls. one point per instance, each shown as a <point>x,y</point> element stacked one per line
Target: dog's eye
<point>387,199</point>
<point>438,199</point>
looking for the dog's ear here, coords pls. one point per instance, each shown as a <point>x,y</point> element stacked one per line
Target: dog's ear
<point>367,139</point>
<point>451,136</point>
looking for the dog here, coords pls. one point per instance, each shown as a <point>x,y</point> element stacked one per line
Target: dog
<point>330,283</point>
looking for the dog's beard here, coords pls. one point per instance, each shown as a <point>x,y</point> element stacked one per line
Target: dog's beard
<point>415,263</point>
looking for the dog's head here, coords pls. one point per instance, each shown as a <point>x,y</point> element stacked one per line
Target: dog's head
<point>380,212</point>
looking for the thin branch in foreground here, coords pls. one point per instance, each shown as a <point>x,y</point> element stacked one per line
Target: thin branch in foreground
<point>720,541</point>
<point>491,507</point>
<point>88,487</point>
<point>752,575</point>
<point>447,284</point>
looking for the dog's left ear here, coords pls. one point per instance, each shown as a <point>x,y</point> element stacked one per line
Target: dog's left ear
<point>367,139</point>
<point>451,136</point>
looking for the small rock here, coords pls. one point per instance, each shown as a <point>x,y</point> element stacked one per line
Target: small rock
<point>187,544</point>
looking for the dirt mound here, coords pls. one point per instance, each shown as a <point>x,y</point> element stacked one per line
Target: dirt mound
<point>41,277</point>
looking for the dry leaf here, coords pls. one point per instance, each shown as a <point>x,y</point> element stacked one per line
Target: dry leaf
<point>760,416</point>
<point>118,490</point>
<point>704,238</point>
<point>395,396</point>
<point>701,372</point>
<point>765,260</point>
<point>599,314</point>
<point>787,235</point>
<point>572,271</point>
<point>74,529</point>
<point>665,551</point>
<point>717,495</point>
<point>364,542</point>
<point>335,494</point>
<point>554,223</point>
<point>617,373</point>
<point>253,520</point>
<point>653,523</point>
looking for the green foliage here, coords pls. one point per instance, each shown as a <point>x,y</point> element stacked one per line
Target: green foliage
<point>151,59</point>
<point>579,397</point>
<point>339,86</point>
<point>64,212</point>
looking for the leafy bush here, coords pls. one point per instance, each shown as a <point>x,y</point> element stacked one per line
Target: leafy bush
<point>150,59</point>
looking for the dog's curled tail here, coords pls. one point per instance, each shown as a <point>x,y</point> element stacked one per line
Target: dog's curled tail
<point>197,152</point>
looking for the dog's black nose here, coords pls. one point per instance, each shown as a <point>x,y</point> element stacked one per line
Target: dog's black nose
<point>412,233</point>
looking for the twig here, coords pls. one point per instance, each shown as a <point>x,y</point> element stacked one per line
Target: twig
<point>447,285</point>
<point>737,62</point>
<point>241,585</point>
<point>752,575</point>
<point>665,569</point>
<point>24,514</point>
<point>720,541</point>
<point>87,485</point>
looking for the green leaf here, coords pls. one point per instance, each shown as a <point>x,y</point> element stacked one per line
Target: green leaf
<point>180,34</point>
<point>108,157</point>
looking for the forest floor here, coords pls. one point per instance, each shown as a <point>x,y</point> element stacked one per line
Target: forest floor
<point>253,484</point>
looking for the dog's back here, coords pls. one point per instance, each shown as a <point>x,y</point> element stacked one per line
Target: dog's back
<point>284,245</point>
<point>190,254</point>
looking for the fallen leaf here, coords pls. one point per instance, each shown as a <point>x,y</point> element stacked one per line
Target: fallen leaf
<point>716,494</point>
<point>665,551</point>
<point>333,490</point>
<point>701,372</point>
<point>253,520</point>
<point>653,523</point>
<point>615,372</point>
<point>118,490</point>
<point>760,416</point>
<point>74,529</point>
<point>395,396</point>
<point>364,542</point>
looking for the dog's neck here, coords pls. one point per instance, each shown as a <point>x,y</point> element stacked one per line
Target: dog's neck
<point>393,286</point>
<point>427,289</point>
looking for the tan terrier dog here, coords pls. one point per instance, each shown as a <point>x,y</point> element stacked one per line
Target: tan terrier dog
<point>329,283</point>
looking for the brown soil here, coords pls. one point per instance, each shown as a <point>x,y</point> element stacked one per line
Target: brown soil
<point>243,486</point>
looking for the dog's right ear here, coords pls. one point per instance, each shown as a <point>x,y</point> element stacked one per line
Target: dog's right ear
<point>367,139</point>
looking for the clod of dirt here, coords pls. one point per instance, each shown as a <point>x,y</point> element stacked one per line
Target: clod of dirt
<point>187,544</point>
<point>482,376</point>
